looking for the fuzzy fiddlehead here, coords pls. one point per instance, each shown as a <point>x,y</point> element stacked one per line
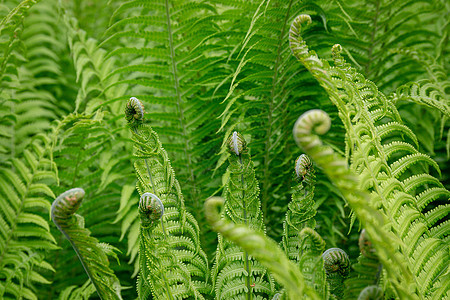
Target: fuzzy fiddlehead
<point>91,253</point>
<point>300,242</point>
<point>151,210</point>
<point>263,249</point>
<point>236,144</point>
<point>134,112</point>
<point>172,263</point>
<point>235,273</point>
<point>304,171</point>
<point>337,268</point>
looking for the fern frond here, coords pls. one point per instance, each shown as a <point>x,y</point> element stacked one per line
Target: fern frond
<point>368,271</point>
<point>91,253</point>
<point>263,97</point>
<point>244,276</point>
<point>299,241</point>
<point>373,34</point>
<point>24,233</point>
<point>166,57</point>
<point>11,27</point>
<point>265,250</point>
<point>87,155</point>
<point>172,263</point>
<point>73,292</point>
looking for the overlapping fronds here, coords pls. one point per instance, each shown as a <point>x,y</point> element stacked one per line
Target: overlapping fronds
<point>24,232</point>
<point>432,92</point>
<point>265,250</point>
<point>92,254</point>
<point>373,33</point>
<point>92,67</point>
<point>82,149</point>
<point>172,262</point>
<point>264,95</point>
<point>367,269</point>
<point>382,152</point>
<point>11,28</point>
<point>73,292</point>
<point>26,106</point>
<point>336,168</point>
<point>236,274</point>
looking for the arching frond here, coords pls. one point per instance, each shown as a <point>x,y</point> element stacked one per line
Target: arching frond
<point>357,99</point>
<point>265,250</point>
<point>92,254</point>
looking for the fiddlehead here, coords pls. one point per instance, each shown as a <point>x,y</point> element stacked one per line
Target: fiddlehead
<point>91,253</point>
<point>236,144</point>
<point>134,112</point>
<point>337,268</point>
<point>265,250</point>
<point>151,209</point>
<point>304,170</point>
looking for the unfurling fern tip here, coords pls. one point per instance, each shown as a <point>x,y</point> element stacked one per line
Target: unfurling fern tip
<point>134,112</point>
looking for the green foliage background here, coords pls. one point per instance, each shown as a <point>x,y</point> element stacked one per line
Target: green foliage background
<point>203,69</point>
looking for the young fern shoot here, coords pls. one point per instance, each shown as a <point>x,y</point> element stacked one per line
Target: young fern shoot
<point>300,242</point>
<point>92,254</point>
<point>236,274</point>
<point>172,263</point>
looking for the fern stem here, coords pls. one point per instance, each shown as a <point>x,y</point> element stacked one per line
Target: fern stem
<point>267,183</point>
<point>372,40</point>
<point>187,154</point>
<point>244,206</point>
<point>153,185</point>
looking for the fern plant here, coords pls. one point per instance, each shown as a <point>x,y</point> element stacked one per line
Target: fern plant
<point>205,70</point>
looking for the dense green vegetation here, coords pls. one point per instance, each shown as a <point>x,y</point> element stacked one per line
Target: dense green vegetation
<point>147,150</point>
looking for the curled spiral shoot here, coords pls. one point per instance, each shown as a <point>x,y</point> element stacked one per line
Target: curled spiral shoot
<point>134,112</point>
<point>337,268</point>
<point>236,143</point>
<point>313,120</point>
<point>151,209</point>
<point>371,292</point>
<point>65,206</point>
<point>336,261</point>
<point>304,169</point>
<point>296,43</point>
